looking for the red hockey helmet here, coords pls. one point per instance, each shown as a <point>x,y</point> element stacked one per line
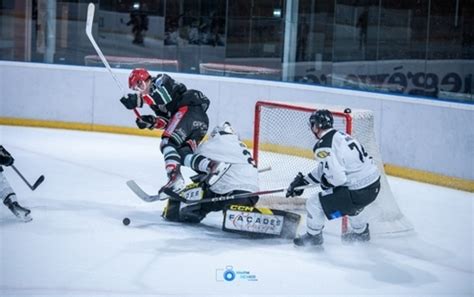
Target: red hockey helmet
<point>137,75</point>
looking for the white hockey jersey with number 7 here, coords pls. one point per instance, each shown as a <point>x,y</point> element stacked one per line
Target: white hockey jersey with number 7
<point>342,161</point>
<point>242,175</point>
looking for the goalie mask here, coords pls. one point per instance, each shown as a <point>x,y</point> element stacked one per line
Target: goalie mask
<point>167,89</point>
<point>222,129</point>
<point>137,79</point>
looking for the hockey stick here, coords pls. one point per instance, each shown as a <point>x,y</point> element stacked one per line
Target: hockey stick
<point>175,196</point>
<point>264,169</point>
<point>89,23</point>
<point>35,185</point>
<point>142,194</point>
<point>151,198</point>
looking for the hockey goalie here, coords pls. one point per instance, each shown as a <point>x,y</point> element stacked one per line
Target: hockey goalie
<point>237,185</point>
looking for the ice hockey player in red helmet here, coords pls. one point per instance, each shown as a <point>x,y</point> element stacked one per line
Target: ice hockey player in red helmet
<point>181,113</point>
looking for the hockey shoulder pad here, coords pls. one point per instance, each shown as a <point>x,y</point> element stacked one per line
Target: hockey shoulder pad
<point>260,222</point>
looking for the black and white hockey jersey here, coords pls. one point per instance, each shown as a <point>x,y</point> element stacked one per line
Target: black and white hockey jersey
<point>242,175</point>
<point>342,161</point>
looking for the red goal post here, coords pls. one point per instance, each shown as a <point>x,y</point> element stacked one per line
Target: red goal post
<point>283,140</point>
<point>269,104</point>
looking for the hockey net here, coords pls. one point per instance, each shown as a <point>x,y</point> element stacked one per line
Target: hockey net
<point>283,141</point>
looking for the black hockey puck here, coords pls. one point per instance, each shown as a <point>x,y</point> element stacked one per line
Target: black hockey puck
<point>126,221</point>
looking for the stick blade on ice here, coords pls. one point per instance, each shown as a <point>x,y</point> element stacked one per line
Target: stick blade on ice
<point>140,193</point>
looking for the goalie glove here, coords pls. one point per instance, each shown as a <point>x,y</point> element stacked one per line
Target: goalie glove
<point>132,101</point>
<point>151,122</point>
<point>297,182</point>
<point>5,158</point>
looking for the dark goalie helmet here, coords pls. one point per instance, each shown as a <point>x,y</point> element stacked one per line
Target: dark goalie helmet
<point>321,119</point>
<point>168,88</point>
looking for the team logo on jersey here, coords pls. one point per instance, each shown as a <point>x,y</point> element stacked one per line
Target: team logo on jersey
<point>322,154</point>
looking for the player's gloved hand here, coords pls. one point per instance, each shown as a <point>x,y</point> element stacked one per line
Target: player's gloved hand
<point>5,158</point>
<point>132,101</point>
<point>146,122</point>
<point>325,184</point>
<point>161,122</point>
<point>297,182</point>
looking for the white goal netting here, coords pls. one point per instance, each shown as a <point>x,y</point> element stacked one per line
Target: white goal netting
<point>283,140</point>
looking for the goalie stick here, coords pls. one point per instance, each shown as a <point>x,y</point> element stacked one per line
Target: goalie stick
<point>142,194</point>
<point>178,197</point>
<point>89,22</point>
<point>175,196</point>
<point>35,185</point>
<point>151,198</point>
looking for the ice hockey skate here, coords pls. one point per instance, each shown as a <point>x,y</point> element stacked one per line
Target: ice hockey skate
<point>216,171</point>
<point>351,237</point>
<point>175,183</point>
<point>19,211</point>
<point>309,240</point>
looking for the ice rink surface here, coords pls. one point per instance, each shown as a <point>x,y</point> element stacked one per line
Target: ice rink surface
<point>76,244</point>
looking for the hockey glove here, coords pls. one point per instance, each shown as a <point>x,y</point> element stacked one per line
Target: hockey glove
<point>151,122</point>
<point>132,101</point>
<point>146,122</point>
<point>161,122</point>
<point>297,182</point>
<point>5,158</point>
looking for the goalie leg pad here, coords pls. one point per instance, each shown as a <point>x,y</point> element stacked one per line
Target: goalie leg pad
<point>222,205</point>
<point>176,211</point>
<point>171,211</point>
<point>260,222</point>
<point>191,214</point>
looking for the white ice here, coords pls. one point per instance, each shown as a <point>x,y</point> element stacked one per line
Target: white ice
<point>77,245</point>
